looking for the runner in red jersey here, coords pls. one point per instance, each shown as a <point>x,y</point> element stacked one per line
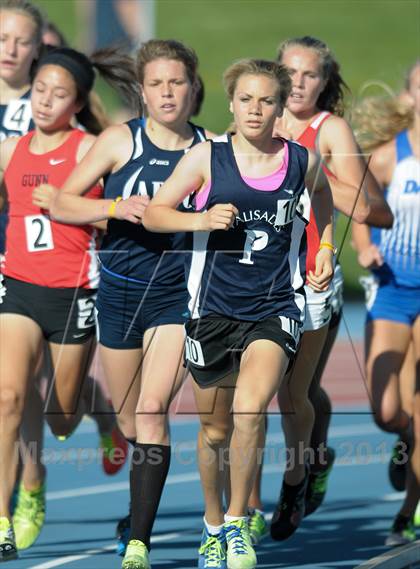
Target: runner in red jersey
<point>314,117</point>
<point>41,251</point>
<point>48,289</point>
<point>21,25</point>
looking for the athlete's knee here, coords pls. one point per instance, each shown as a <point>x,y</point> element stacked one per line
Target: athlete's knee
<point>248,423</point>
<point>295,405</point>
<point>152,419</point>
<point>11,403</point>
<point>215,434</point>
<point>152,407</point>
<point>247,402</point>
<point>320,400</point>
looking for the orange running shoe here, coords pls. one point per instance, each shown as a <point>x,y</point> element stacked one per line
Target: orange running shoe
<point>114,451</point>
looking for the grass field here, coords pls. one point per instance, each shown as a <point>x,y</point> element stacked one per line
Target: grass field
<point>374,40</point>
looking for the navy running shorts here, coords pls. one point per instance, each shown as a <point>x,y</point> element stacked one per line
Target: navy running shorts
<point>125,310</point>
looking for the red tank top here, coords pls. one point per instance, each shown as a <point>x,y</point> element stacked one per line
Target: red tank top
<point>39,250</point>
<point>308,139</point>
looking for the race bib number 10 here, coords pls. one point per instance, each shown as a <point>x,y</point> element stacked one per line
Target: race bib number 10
<point>38,233</point>
<point>286,211</point>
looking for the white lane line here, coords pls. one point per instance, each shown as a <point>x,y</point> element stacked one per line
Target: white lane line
<point>116,487</point>
<point>394,497</point>
<point>363,460</point>
<point>91,552</point>
<point>71,558</point>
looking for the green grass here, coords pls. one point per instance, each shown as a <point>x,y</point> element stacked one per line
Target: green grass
<point>373,40</point>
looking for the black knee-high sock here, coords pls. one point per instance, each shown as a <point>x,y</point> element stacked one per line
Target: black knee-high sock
<point>149,469</point>
<point>132,443</point>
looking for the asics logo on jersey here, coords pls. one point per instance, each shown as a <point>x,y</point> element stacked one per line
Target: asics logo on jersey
<point>155,161</point>
<point>55,162</point>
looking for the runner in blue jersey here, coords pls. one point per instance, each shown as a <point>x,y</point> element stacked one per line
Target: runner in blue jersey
<point>393,301</point>
<point>245,280</point>
<point>142,300</point>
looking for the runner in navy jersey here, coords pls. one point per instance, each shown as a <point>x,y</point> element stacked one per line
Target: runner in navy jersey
<point>50,273</point>
<point>246,303</point>
<point>142,301</point>
<point>21,27</point>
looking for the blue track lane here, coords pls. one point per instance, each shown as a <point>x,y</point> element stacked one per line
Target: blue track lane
<point>84,505</point>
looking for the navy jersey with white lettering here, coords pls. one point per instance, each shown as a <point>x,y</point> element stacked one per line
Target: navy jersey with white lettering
<point>400,245</point>
<point>16,117</point>
<point>256,269</point>
<point>130,251</point>
<point>15,120</point>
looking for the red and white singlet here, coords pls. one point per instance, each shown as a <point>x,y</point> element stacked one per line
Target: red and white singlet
<point>308,139</point>
<point>39,250</point>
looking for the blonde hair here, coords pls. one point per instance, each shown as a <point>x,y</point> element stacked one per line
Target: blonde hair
<point>29,10</point>
<point>332,97</point>
<point>270,69</point>
<point>377,120</point>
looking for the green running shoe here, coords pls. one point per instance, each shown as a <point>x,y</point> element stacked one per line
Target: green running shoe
<point>8,549</point>
<point>258,527</point>
<point>317,484</point>
<point>240,553</point>
<point>212,552</point>
<point>136,556</point>
<point>402,532</point>
<point>29,515</point>
<point>417,516</point>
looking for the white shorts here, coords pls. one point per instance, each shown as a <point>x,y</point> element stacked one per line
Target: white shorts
<point>318,309</point>
<point>320,306</point>
<point>337,300</point>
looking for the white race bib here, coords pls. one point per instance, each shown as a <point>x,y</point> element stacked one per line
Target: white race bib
<point>18,115</point>
<point>194,352</point>
<point>38,233</point>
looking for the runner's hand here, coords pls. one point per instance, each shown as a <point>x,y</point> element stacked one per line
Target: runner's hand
<point>220,216</point>
<point>370,257</point>
<point>324,270</point>
<point>131,209</point>
<point>43,195</point>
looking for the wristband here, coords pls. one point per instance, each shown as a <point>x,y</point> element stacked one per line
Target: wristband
<point>111,210</point>
<point>328,246</point>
